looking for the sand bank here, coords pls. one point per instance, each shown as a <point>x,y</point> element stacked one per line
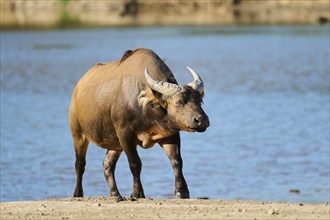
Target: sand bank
<point>109,208</point>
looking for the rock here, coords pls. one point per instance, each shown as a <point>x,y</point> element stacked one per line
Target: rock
<point>206,198</point>
<point>273,212</point>
<point>297,191</point>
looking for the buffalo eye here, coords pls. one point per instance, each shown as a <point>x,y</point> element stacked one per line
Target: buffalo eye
<point>179,103</point>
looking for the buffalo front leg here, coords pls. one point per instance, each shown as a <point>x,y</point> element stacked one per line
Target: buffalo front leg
<point>109,166</point>
<point>135,164</point>
<point>171,146</point>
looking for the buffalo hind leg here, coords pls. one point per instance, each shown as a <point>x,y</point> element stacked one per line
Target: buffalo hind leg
<point>80,147</point>
<point>171,146</point>
<point>109,166</point>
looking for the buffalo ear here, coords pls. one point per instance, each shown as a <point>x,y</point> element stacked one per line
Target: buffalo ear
<point>202,94</point>
<point>160,98</point>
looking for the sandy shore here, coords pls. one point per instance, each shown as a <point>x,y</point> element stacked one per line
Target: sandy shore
<point>109,208</point>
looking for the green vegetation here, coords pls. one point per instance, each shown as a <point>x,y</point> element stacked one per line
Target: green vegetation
<point>64,2</point>
<point>66,20</point>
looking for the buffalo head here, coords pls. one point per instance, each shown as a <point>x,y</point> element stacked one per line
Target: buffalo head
<point>182,103</point>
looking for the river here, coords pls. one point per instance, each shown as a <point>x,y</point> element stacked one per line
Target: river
<point>266,94</point>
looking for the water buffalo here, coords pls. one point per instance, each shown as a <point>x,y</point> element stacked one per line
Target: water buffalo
<point>130,102</point>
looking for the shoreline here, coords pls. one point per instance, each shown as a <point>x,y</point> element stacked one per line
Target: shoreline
<point>70,13</point>
<point>108,207</point>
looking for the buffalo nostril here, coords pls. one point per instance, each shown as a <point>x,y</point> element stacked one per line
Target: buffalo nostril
<point>198,120</point>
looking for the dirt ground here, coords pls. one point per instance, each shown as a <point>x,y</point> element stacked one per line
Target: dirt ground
<point>109,208</point>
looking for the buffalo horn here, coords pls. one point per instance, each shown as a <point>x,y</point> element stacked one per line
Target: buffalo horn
<point>197,84</point>
<point>165,88</point>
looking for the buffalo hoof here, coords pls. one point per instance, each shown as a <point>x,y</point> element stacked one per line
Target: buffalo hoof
<point>135,196</point>
<point>115,194</point>
<point>78,193</point>
<point>119,199</point>
<point>182,194</point>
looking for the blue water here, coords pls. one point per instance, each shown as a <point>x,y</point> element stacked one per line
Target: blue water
<point>267,96</point>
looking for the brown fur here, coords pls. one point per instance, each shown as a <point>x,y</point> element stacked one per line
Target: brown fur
<point>127,54</point>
